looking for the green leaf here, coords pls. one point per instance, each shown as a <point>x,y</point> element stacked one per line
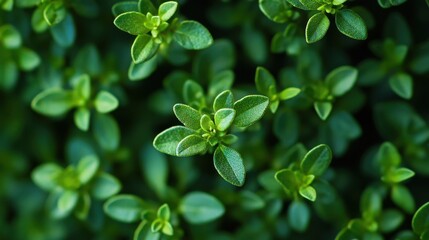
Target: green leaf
<point>390,220</point>
<point>132,23</point>
<point>388,156</point>
<point>146,6</point>
<point>168,140</point>
<point>87,167</point>
<point>8,75</point>
<point>191,145</point>
<point>54,12</point>
<point>317,160</point>
<point>403,198</point>
<point>250,109</point>
<point>298,216</point>
<point>53,102</point>
<point>298,4</point>
<point>193,94</point>
<point>251,201</point>
<point>287,179</point>
<point>229,165</point>
<point>167,9</point>
<point>167,229</point>
<point>125,208</point>
<point>308,192</point>
<point>82,87</point>
<point>265,81</point>
<point>338,2</point>
<point>164,212</point>
<point>144,48</point>
<point>142,70</point>
<point>323,109</point>
<point>341,80</point>
<point>82,117</point>
<point>105,102</point>
<point>83,206</point>
<point>67,201</point>
<point>123,7</point>
<point>402,84</point>
<point>224,100</point>
<point>45,176</point>
<point>398,175</point>
<point>420,222</point>
<point>317,27</point>
<point>106,131</point>
<point>351,24</point>
<point>10,37</point>
<point>192,35</point>
<point>223,118</point>
<point>199,207</point>
<point>104,185</point>
<point>289,93</point>
<point>311,4</point>
<point>187,115</point>
<point>64,33</point>
<point>155,169</point>
<point>144,231</point>
<point>28,59</point>
<point>276,10</point>
<point>38,22</point>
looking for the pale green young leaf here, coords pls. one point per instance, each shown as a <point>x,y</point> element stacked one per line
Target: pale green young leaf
<point>420,222</point>
<point>398,175</point>
<point>167,229</point>
<point>83,206</point>
<point>250,109</point>
<point>323,109</point>
<point>402,84</point>
<point>6,5</point>
<point>298,216</point>
<point>64,33</point>
<point>289,93</point>
<point>341,80</point>
<point>317,27</point>
<point>223,118</point>
<point>104,185</point>
<point>87,167</point>
<point>28,59</point>
<point>106,131</point>
<point>200,207</point>
<point>265,81</point>
<point>403,198</point>
<point>168,140</point>
<point>105,102</point>
<point>308,192</point>
<point>10,37</point>
<point>192,35</point>
<point>338,2</point>
<point>125,208</point>
<point>82,87</point>
<point>53,102</point>
<point>123,7</point>
<point>187,115</point>
<point>191,145</point>
<point>132,23</point>
<point>167,9</point>
<point>54,12</point>
<point>38,22</point>
<point>164,212</point>
<point>82,117</point>
<point>287,179</point>
<point>44,176</point>
<point>229,165</point>
<point>388,156</point>
<point>224,100</point>
<point>317,160</point>
<point>144,48</point>
<point>351,24</point>
<point>67,201</point>
<point>156,225</point>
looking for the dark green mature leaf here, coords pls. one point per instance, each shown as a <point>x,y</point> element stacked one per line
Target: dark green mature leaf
<point>403,198</point>
<point>323,109</point>
<point>144,231</point>
<point>142,70</point>
<point>265,81</point>
<point>311,4</point>
<point>123,7</point>
<point>420,222</point>
<point>104,186</point>
<point>64,33</point>
<point>106,131</point>
<point>223,118</point>
<point>168,140</point>
<point>341,80</point>
<point>317,160</point>
<point>229,165</point>
<point>146,6</point>
<point>276,10</point>
<point>144,48</point>
<point>53,102</point>
<point>82,117</point>
<point>10,37</point>
<point>298,216</point>
<point>250,109</point>
<point>390,220</point>
<point>402,84</point>
<point>298,4</point>
<point>192,35</point>
<point>317,27</point>
<point>125,208</point>
<point>199,207</point>
<point>351,24</point>
<point>28,59</point>
<point>155,169</point>
<point>132,23</point>
<point>8,74</point>
<point>191,145</point>
<point>224,100</point>
<point>187,115</point>
<point>167,9</point>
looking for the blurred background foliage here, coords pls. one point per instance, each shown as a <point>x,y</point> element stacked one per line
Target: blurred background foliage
<point>48,45</point>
